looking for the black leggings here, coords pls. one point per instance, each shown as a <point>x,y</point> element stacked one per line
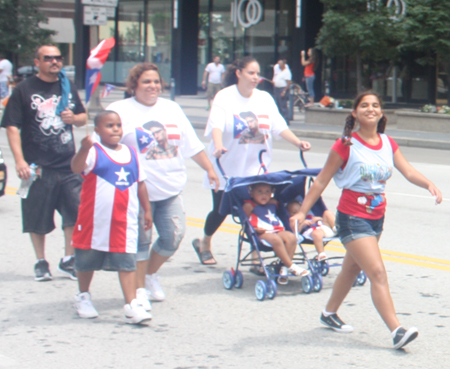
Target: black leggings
<point>214,218</point>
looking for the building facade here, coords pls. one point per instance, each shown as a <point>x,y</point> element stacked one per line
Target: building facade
<point>182,36</point>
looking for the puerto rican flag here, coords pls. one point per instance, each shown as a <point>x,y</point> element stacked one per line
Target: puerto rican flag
<point>108,214</point>
<point>263,121</point>
<point>107,90</point>
<point>144,139</point>
<point>173,132</point>
<point>95,63</point>
<point>239,126</point>
<point>264,216</point>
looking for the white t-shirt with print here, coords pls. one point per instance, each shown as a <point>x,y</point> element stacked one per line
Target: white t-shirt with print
<point>280,79</point>
<point>215,72</point>
<point>6,70</point>
<point>242,158</point>
<point>165,170</point>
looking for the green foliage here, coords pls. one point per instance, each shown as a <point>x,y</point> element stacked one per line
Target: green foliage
<point>359,27</point>
<point>19,27</point>
<point>427,27</point>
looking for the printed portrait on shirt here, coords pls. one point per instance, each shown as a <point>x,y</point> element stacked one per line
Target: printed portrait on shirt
<point>162,149</point>
<point>251,135</point>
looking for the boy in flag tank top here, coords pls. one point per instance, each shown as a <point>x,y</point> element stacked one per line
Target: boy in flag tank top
<point>261,210</point>
<point>105,234</point>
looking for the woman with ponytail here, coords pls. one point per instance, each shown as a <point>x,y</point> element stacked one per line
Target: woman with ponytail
<point>242,122</point>
<point>361,163</point>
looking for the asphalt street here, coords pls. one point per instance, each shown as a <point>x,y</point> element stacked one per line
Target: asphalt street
<point>202,325</point>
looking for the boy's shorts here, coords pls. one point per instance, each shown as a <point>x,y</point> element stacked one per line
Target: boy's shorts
<point>56,190</point>
<point>91,260</point>
<point>351,228</point>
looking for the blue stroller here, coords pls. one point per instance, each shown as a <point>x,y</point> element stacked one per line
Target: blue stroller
<point>287,186</point>
<point>235,193</point>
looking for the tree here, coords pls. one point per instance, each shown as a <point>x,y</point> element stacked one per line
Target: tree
<point>362,29</point>
<point>19,28</point>
<point>427,27</point>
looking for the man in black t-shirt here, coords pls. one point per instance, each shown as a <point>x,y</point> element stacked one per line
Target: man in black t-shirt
<point>38,118</point>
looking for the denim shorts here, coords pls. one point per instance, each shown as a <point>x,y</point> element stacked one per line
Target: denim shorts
<point>170,221</point>
<point>351,228</point>
<point>90,260</point>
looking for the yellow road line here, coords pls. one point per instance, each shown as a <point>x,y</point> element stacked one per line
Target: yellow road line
<point>336,246</point>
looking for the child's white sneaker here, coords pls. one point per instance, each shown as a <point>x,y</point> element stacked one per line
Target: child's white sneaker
<point>135,313</point>
<point>296,270</point>
<point>283,278</point>
<point>153,287</point>
<point>142,297</point>
<point>322,256</point>
<point>84,307</point>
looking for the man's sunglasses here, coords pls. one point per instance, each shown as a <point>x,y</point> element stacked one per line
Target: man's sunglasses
<point>49,58</point>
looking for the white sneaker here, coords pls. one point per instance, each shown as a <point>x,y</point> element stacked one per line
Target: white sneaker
<point>296,270</point>
<point>135,313</point>
<point>154,288</point>
<point>142,297</point>
<point>84,307</point>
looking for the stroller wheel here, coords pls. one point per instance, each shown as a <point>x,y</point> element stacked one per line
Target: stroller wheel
<point>307,284</point>
<point>360,279</point>
<point>271,288</point>
<point>228,280</point>
<point>239,279</point>
<point>324,268</point>
<point>318,283</point>
<point>260,290</point>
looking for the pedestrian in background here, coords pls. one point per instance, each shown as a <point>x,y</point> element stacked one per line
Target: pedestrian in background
<point>229,120</point>
<point>6,69</point>
<point>281,82</point>
<point>310,65</point>
<point>361,163</point>
<point>38,119</point>
<point>214,71</point>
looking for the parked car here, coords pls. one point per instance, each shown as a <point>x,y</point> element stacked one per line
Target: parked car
<point>26,71</point>
<point>70,72</point>
<point>2,174</point>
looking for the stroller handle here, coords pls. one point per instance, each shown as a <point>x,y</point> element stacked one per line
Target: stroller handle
<point>220,168</point>
<point>263,166</point>
<point>302,158</point>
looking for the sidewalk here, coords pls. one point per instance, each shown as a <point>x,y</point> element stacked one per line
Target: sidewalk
<point>195,109</point>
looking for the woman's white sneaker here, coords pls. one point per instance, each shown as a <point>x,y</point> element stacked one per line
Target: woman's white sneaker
<point>142,297</point>
<point>84,306</point>
<point>153,287</point>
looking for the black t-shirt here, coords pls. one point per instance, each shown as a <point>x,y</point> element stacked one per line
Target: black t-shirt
<point>46,139</point>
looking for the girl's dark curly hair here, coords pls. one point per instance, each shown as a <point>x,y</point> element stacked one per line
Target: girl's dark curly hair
<point>350,120</point>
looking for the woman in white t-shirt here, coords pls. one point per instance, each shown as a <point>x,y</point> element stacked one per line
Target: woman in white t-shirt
<point>240,115</point>
<point>163,137</point>
<point>361,163</point>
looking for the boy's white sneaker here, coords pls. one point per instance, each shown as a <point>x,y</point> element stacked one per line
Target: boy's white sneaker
<point>153,287</point>
<point>142,297</point>
<point>135,313</point>
<point>84,307</point>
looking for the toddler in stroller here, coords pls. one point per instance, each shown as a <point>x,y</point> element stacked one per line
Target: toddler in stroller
<point>315,228</point>
<point>261,210</point>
